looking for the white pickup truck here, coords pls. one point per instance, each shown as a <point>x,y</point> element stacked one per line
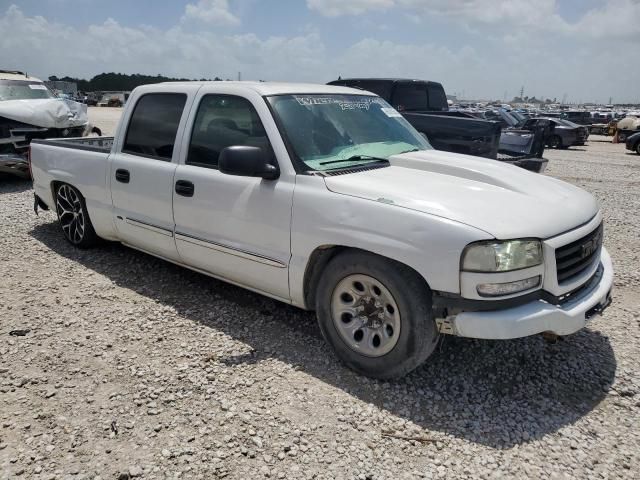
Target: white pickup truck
<point>324,197</point>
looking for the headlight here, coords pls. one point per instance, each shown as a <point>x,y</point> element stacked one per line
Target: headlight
<point>502,256</point>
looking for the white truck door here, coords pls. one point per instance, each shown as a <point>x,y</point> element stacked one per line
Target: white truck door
<point>234,227</point>
<point>142,171</point>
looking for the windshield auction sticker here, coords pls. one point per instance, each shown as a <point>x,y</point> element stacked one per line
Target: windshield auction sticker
<point>353,103</point>
<point>37,86</point>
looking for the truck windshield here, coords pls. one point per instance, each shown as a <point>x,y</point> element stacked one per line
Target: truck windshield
<point>23,90</point>
<point>341,131</point>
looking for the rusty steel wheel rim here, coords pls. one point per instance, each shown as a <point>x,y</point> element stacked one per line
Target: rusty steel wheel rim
<point>366,315</point>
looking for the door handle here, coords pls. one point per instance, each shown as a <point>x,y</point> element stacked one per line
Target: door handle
<point>122,175</point>
<point>185,188</point>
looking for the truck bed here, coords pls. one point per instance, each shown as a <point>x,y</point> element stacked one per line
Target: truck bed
<point>457,133</point>
<point>92,144</point>
<point>81,162</point>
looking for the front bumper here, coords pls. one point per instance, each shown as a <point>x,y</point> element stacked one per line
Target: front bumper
<point>540,316</point>
<point>15,164</point>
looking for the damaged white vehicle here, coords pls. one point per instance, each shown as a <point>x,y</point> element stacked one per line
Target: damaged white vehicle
<point>29,110</point>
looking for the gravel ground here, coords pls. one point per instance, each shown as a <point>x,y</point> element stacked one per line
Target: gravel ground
<point>133,367</point>
<point>106,118</point>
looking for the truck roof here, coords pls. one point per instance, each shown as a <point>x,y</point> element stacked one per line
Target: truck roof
<point>16,75</point>
<point>277,88</point>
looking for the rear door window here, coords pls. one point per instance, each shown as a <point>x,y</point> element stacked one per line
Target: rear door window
<point>154,124</point>
<point>411,97</point>
<point>437,97</point>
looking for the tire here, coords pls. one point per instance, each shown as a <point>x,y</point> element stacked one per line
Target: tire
<point>555,141</point>
<point>638,148</point>
<point>622,137</point>
<point>73,217</point>
<point>401,318</point>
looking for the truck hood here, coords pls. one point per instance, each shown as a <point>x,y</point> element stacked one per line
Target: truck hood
<point>45,112</point>
<point>502,200</point>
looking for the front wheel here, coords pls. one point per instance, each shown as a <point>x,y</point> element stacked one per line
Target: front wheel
<point>376,315</point>
<point>74,217</point>
<point>638,148</point>
<point>622,137</point>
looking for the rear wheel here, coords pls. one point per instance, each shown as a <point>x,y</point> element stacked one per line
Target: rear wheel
<point>74,217</point>
<point>638,148</point>
<point>622,137</point>
<point>376,314</point>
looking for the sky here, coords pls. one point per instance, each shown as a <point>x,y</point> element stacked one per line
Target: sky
<point>579,50</point>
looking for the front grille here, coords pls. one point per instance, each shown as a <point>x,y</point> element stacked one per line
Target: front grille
<point>585,287</point>
<point>573,259</point>
<point>19,137</point>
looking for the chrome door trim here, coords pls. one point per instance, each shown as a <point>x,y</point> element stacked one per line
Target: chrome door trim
<point>149,226</point>
<point>201,242</point>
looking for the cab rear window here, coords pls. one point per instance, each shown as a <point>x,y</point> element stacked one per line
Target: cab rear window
<point>154,125</point>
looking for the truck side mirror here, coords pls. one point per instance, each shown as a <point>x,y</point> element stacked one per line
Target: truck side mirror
<point>247,161</point>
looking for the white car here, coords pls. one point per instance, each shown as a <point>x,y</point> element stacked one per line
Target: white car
<point>325,198</point>
<point>28,110</point>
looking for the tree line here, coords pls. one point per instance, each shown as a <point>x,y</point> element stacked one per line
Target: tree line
<point>119,81</point>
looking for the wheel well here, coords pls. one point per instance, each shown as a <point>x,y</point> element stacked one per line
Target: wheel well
<point>315,266</point>
<point>57,183</point>
<point>319,260</point>
<point>54,186</point>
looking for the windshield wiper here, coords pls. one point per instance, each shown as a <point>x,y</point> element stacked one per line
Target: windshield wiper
<point>355,158</point>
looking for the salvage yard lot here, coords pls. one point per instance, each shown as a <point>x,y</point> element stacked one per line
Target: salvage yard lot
<point>135,367</point>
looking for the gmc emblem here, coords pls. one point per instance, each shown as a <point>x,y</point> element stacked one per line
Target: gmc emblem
<point>591,246</point>
<point>588,248</point>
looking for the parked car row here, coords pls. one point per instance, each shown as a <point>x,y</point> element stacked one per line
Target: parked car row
<point>514,136</point>
<point>424,105</point>
<point>328,199</point>
<point>557,132</point>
